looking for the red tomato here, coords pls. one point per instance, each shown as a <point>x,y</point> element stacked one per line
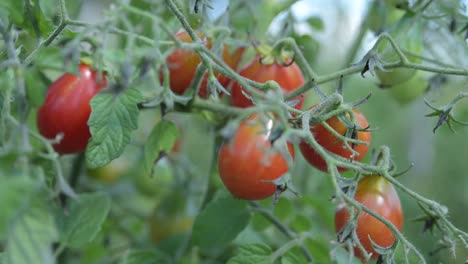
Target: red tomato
<point>331,143</point>
<point>290,78</point>
<point>247,161</point>
<point>66,109</point>
<point>377,194</point>
<point>183,64</point>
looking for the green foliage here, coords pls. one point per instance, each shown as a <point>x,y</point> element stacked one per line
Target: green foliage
<point>83,219</point>
<point>252,253</point>
<point>113,118</point>
<point>144,257</point>
<point>220,222</point>
<point>161,139</point>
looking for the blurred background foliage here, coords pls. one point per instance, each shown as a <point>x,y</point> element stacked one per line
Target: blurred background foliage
<point>158,212</point>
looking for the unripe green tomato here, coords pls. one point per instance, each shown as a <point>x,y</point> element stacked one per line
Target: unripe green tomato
<point>408,35</point>
<point>170,218</point>
<point>111,172</point>
<point>156,184</point>
<point>383,16</point>
<point>410,90</point>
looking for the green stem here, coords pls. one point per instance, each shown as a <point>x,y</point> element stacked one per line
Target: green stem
<point>360,36</point>
<point>216,107</point>
<point>62,25</point>
<point>284,229</point>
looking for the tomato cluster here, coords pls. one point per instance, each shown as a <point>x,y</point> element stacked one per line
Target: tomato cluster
<point>249,164</point>
<point>289,78</point>
<point>183,64</point>
<point>66,109</point>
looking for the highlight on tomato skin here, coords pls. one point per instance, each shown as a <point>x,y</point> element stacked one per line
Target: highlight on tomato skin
<point>247,163</point>
<point>335,145</point>
<point>183,65</point>
<point>379,195</point>
<point>289,78</point>
<point>66,109</point>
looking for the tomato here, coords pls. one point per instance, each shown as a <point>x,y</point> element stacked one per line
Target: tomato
<point>382,16</point>
<point>408,35</point>
<point>158,183</point>
<point>183,64</point>
<point>410,90</point>
<point>112,171</point>
<point>170,218</point>
<point>66,109</point>
<point>247,161</point>
<point>377,194</point>
<point>334,145</point>
<point>290,78</point>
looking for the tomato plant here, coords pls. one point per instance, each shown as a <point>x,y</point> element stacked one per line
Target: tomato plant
<point>247,162</point>
<point>377,194</point>
<point>178,136</point>
<point>183,64</point>
<point>335,145</point>
<point>66,109</point>
<point>289,77</point>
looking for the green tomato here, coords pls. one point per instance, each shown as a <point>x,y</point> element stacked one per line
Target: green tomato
<point>410,90</point>
<point>382,16</point>
<point>170,217</point>
<point>157,184</point>
<point>111,172</point>
<point>407,33</point>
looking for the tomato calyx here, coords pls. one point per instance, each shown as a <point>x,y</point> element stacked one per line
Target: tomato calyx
<point>430,218</point>
<point>278,54</point>
<point>445,114</point>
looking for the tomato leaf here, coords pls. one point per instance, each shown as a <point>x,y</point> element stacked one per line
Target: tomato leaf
<point>31,236</point>
<point>252,254</point>
<point>316,22</point>
<point>26,223</point>
<point>11,198</point>
<point>145,257</point>
<point>83,219</point>
<point>216,226</point>
<point>13,10</point>
<point>293,258</point>
<point>112,120</point>
<point>162,138</point>
<point>37,24</point>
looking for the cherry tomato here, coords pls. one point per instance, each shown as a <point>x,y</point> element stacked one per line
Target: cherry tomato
<point>334,145</point>
<point>170,218</point>
<point>183,64</point>
<point>66,109</point>
<point>377,194</point>
<point>290,78</point>
<point>382,16</point>
<point>111,172</point>
<point>407,33</point>
<point>247,161</point>
<point>410,90</point>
